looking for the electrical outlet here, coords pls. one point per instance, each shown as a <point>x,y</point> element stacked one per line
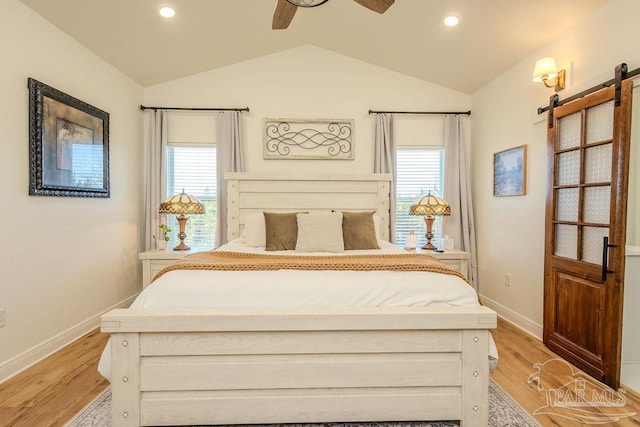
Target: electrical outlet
<point>3,317</point>
<point>507,279</point>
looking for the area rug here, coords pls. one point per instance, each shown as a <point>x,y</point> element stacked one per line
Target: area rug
<point>503,411</point>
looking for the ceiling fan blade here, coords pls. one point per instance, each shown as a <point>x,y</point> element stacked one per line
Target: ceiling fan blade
<point>283,15</point>
<point>379,6</point>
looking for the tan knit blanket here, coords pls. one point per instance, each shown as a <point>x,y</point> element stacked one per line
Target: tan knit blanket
<point>236,261</point>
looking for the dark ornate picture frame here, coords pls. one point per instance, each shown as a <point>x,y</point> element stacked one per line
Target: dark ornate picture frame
<point>68,145</point>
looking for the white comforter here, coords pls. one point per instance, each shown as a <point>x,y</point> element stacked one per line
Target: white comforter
<point>293,288</point>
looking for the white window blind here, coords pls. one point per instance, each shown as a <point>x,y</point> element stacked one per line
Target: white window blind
<point>419,170</point>
<point>192,168</point>
<point>88,165</point>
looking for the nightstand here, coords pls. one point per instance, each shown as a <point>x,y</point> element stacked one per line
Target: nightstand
<point>156,259</point>
<point>454,258</point>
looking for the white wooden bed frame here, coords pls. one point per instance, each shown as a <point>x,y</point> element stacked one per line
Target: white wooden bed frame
<point>214,366</point>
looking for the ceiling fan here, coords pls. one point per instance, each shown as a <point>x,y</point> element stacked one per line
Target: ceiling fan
<point>286,9</point>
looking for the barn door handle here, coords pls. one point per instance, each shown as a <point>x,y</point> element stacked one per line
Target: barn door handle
<point>605,257</point>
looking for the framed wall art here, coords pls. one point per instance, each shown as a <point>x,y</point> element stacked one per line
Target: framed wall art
<point>68,145</point>
<point>308,139</point>
<point>510,172</point>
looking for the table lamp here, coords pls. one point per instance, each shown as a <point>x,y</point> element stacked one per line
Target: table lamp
<point>429,206</point>
<point>181,204</point>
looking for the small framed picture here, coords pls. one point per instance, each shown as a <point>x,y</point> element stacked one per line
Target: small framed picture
<point>68,146</point>
<point>510,172</point>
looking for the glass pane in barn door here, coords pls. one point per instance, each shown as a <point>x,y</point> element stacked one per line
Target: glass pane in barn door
<point>567,204</point>
<point>568,168</point>
<point>566,241</point>
<point>597,202</point>
<point>599,123</point>
<point>592,243</point>
<point>597,166</point>
<point>569,131</point>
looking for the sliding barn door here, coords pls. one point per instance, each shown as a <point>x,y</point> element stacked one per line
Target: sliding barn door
<point>588,159</point>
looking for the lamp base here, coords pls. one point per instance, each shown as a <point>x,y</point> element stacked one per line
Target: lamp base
<point>429,223</point>
<point>182,222</point>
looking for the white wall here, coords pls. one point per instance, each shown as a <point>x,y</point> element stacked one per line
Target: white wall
<point>511,229</point>
<point>630,370</point>
<point>310,82</point>
<point>62,260</point>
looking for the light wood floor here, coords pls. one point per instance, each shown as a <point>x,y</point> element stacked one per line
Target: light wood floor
<point>51,392</point>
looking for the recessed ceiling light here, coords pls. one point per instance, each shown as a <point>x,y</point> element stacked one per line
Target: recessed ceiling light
<point>451,21</point>
<point>167,12</point>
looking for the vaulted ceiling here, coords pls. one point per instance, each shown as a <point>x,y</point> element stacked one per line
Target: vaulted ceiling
<point>409,38</point>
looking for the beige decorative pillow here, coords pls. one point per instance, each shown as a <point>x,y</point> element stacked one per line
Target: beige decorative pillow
<point>320,232</point>
<point>358,231</point>
<point>281,231</point>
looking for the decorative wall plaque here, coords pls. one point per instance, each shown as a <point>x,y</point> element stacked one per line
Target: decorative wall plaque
<point>324,139</point>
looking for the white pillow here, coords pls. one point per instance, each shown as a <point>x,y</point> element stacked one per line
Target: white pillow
<point>254,233</point>
<point>320,232</point>
<point>376,224</point>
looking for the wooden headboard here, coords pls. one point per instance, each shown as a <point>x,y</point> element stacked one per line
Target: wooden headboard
<point>250,193</point>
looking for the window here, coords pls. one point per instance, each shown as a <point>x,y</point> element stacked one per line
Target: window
<point>192,168</point>
<point>419,170</point>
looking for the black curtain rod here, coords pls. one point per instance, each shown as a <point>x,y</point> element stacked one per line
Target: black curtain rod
<point>467,113</point>
<point>629,75</point>
<point>143,108</point>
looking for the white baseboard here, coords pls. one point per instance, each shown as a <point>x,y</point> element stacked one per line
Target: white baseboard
<point>526,324</point>
<point>35,354</point>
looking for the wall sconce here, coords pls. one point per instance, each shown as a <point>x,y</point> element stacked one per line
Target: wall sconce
<point>547,73</point>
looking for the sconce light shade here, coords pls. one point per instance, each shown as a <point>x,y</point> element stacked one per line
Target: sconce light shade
<point>546,72</point>
<point>545,69</point>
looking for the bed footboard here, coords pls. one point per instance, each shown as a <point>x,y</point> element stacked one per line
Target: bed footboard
<point>223,366</point>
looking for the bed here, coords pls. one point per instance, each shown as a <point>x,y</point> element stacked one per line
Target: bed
<point>322,356</point>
